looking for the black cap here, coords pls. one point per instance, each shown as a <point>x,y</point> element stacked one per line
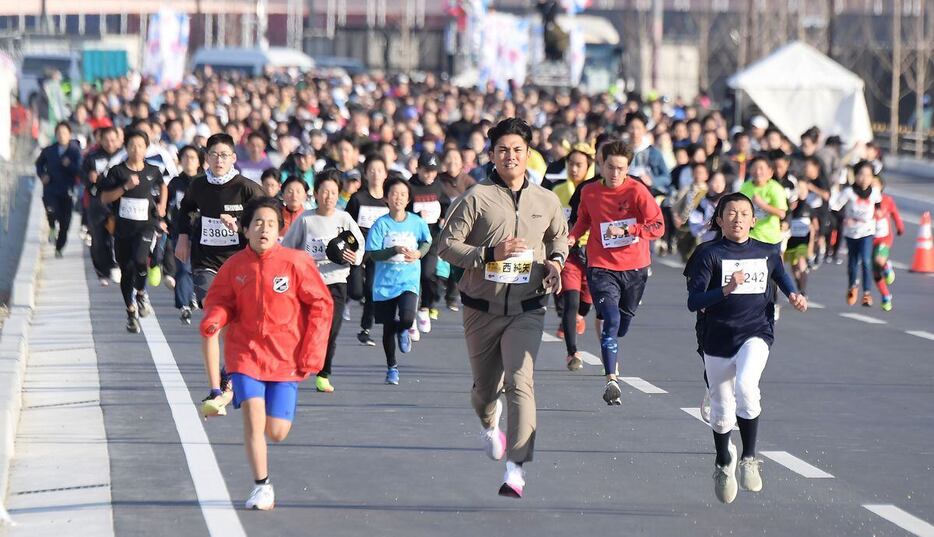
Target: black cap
<point>428,161</point>
<point>353,174</point>
<point>343,241</point>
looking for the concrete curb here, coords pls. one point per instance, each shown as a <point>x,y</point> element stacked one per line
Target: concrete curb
<point>910,166</point>
<point>14,340</point>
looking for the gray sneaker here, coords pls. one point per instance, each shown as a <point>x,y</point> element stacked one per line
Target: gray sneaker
<point>749,477</point>
<point>724,479</point>
<point>611,393</point>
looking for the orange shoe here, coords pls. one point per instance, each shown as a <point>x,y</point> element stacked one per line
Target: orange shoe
<point>560,333</point>
<point>851,296</point>
<point>867,300</point>
<point>581,325</point>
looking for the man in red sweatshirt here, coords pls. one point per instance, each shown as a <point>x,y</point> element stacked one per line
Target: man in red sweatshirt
<point>622,217</point>
<point>278,313</point>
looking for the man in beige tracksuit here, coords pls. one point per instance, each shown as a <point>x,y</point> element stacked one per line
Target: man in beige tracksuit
<point>510,237</point>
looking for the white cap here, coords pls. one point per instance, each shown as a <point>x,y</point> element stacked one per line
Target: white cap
<point>203,130</point>
<point>759,122</point>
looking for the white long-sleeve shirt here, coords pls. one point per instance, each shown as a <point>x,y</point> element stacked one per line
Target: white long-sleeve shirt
<point>312,233</point>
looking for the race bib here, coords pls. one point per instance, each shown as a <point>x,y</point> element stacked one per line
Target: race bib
<point>430,211</point>
<point>399,238</point>
<point>567,213</point>
<point>316,248</point>
<point>516,269</point>
<point>369,214</point>
<point>610,241</point>
<point>755,270</point>
<point>882,227</point>
<point>800,227</point>
<point>136,209</point>
<point>215,233</point>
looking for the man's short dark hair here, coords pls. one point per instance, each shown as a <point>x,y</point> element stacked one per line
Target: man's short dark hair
<point>221,138</point>
<point>616,148</point>
<point>636,116</point>
<point>331,174</point>
<point>257,134</point>
<point>512,125</point>
<point>136,134</point>
<point>258,203</point>
<point>393,181</point>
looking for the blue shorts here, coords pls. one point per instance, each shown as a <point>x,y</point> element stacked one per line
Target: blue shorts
<point>280,397</point>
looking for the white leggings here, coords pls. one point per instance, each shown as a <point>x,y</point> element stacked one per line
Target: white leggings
<point>734,384</point>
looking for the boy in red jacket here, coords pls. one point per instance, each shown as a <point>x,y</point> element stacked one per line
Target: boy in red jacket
<point>278,314</point>
<point>622,217</point>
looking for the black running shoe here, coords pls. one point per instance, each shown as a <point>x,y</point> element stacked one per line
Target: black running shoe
<point>364,338</point>
<point>132,323</point>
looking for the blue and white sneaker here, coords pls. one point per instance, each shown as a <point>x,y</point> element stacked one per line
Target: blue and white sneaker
<point>405,341</point>
<point>392,376</point>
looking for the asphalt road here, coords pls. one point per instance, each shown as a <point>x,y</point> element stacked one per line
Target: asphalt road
<point>853,398</point>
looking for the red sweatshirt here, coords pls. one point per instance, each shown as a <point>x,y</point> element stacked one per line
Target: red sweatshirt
<point>631,204</point>
<point>277,311</point>
<point>885,210</point>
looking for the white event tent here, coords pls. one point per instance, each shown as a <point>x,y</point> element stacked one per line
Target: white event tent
<point>798,87</point>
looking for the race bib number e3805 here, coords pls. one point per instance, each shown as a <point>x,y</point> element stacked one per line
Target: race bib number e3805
<point>215,233</point>
<point>756,272</point>
<point>516,269</point>
<point>609,241</point>
<point>136,209</point>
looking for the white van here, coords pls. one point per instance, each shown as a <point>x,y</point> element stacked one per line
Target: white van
<point>250,61</point>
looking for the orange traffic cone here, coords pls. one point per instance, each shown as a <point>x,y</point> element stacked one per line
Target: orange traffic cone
<point>924,248</point>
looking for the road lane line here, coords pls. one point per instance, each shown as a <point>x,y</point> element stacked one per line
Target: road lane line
<point>669,263</point>
<point>898,265</point>
<point>548,338</point>
<point>695,413</point>
<point>796,465</point>
<point>642,385</point>
<point>863,318</point>
<point>590,359</point>
<point>816,305</point>
<point>218,511</point>
<point>902,519</point>
<point>920,333</point>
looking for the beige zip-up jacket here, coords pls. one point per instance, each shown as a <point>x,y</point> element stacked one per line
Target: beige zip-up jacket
<point>488,214</point>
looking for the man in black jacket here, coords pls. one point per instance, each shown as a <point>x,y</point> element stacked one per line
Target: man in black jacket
<point>57,167</point>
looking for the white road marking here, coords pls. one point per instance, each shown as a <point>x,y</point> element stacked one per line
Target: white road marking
<point>548,338</point>
<point>863,318</point>
<point>816,305</point>
<point>902,519</point>
<point>669,263</point>
<point>695,412</point>
<point>899,265</point>
<point>218,511</point>
<point>642,385</point>
<point>590,359</point>
<point>921,333</point>
<point>796,465</point>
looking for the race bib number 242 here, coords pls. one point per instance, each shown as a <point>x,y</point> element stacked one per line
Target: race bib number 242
<point>756,272</point>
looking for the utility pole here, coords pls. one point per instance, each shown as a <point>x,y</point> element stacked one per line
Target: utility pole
<point>896,73</point>
<point>658,21</point>
<point>921,58</point>
<point>831,16</point>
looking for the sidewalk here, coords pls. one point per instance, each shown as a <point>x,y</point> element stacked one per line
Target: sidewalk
<point>60,473</point>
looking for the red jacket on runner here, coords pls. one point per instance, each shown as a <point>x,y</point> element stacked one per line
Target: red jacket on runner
<point>277,310</point>
<point>886,210</point>
<point>631,204</point>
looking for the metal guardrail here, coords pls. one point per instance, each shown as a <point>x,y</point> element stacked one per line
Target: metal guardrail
<point>908,141</point>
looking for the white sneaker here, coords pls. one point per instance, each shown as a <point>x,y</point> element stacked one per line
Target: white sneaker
<point>414,334</point>
<point>169,281</point>
<point>513,481</point>
<point>104,281</point>
<point>346,315</point>
<point>262,498</point>
<point>749,477</point>
<point>494,440</point>
<point>423,320</point>
<point>705,407</point>
<point>724,478</point>
<point>115,275</point>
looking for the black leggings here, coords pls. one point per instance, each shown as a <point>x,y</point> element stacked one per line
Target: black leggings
<point>396,314</point>
<point>361,288</point>
<point>339,294</point>
<point>429,280</point>
<point>132,254</point>
<point>58,210</point>
<point>572,306</point>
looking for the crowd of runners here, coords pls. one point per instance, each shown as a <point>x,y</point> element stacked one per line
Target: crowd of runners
<point>286,207</point>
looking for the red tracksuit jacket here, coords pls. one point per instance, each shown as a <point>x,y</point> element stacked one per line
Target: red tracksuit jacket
<point>277,310</point>
<point>600,204</point>
<point>887,210</point>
